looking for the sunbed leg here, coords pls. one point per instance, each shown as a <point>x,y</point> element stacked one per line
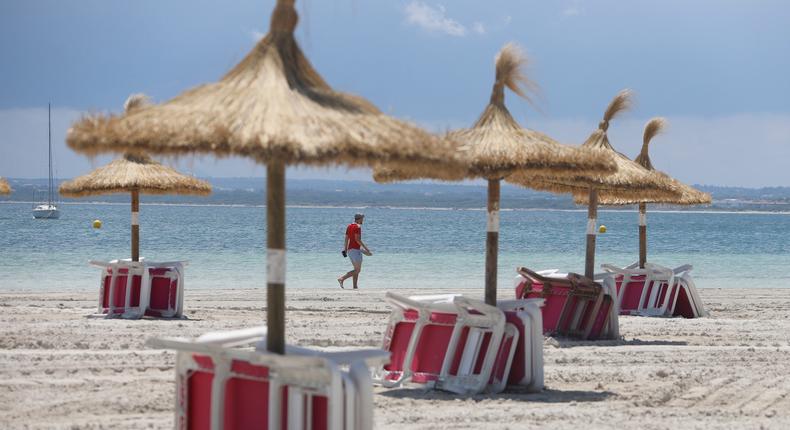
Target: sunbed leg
<point>111,299</point>
<point>145,293</point>
<point>297,415</point>
<point>221,372</point>
<point>180,294</point>
<point>361,376</point>
<point>275,405</point>
<point>593,315</point>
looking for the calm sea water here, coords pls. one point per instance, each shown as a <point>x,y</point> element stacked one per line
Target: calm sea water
<point>413,247</point>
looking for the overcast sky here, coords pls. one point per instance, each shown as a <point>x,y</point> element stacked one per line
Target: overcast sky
<point>717,69</point>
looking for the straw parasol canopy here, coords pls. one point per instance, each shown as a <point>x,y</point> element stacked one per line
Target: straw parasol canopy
<point>687,195</point>
<point>134,173</point>
<point>497,146</point>
<point>630,179</point>
<point>273,105</point>
<point>5,189</point>
<point>275,108</point>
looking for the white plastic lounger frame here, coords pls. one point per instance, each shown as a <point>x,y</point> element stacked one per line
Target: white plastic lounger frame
<point>609,284</point>
<point>423,305</point>
<point>141,269</point>
<point>497,384</point>
<point>489,320</point>
<point>305,372</point>
<point>476,316</point>
<point>529,312</point>
<point>577,309</point>
<point>685,282</point>
<point>656,277</point>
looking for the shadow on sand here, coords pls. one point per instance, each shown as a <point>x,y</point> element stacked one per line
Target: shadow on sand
<point>104,317</point>
<point>546,396</point>
<point>570,343</point>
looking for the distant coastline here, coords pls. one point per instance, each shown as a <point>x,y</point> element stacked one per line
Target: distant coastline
<point>249,192</point>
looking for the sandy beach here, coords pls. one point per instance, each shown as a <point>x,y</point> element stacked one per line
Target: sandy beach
<point>63,368</point>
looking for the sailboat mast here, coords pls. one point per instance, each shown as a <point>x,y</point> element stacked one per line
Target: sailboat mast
<point>49,138</point>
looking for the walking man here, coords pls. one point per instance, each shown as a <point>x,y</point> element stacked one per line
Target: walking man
<point>353,247</point>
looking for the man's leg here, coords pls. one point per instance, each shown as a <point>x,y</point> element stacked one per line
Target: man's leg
<point>357,269</point>
<point>344,277</point>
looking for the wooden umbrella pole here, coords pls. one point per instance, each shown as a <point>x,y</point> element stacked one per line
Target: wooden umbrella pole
<point>642,235</point>
<point>492,240</point>
<point>275,257</point>
<point>592,216</point>
<point>135,225</point>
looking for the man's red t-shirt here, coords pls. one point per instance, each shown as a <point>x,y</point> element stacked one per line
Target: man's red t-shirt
<point>351,233</point>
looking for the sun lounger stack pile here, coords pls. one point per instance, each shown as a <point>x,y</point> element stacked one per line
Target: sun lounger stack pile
<point>575,306</point>
<point>657,291</point>
<point>226,380</point>
<point>133,289</point>
<point>456,344</point>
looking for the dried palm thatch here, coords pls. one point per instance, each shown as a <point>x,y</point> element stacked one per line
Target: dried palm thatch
<point>497,145</point>
<point>134,172</point>
<point>686,196</point>
<point>275,108</point>
<point>631,180</point>
<point>628,181</point>
<point>5,189</point>
<point>273,105</point>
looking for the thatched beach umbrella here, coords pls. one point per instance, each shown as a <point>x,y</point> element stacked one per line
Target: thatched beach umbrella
<point>687,195</point>
<point>274,107</point>
<point>134,174</point>
<point>497,146</point>
<point>630,180</point>
<point>5,189</point>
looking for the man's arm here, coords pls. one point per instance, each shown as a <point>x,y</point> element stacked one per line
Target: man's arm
<point>345,243</point>
<point>361,243</point>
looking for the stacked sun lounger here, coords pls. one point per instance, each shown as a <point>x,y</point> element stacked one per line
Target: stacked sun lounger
<point>133,289</point>
<point>226,380</point>
<point>461,345</point>
<point>575,306</point>
<point>657,291</point>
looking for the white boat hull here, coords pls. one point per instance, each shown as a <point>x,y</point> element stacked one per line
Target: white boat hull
<point>46,212</point>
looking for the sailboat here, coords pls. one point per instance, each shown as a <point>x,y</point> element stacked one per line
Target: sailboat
<point>48,210</point>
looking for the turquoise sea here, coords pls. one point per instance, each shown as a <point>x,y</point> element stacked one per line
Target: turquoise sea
<point>225,245</point>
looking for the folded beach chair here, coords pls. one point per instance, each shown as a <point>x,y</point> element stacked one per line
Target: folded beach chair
<point>687,302</point>
<point>131,289</point>
<point>447,342</point>
<point>575,306</point>
<point>224,383</point>
<point>646,292</point>
<point>607,323</point>
<point>656,291</point>
<point>526,369</point>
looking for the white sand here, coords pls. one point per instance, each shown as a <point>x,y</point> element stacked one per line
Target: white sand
<point>60,368</point>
